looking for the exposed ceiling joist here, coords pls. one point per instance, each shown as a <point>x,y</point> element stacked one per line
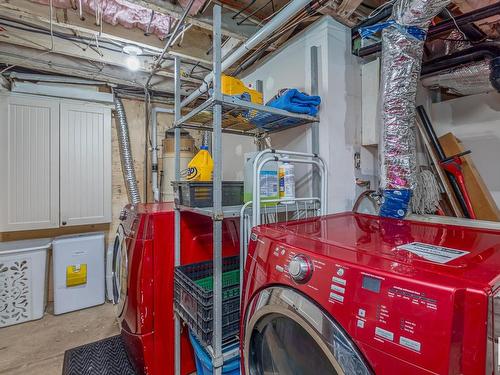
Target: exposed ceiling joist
<point>98,56</point>
<point>195,46</point>
<point>347,8</point>
<point>66,65</point>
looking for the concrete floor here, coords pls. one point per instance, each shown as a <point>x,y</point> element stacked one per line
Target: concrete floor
<point>38,347</point>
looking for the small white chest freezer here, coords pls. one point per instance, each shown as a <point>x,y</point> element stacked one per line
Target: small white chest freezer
<point>78,268</point>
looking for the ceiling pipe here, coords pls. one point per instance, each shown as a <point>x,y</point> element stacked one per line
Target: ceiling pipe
<point>276,22</point>
<point>444,26</point>
<point>464,19</point>
<point>490,50</point>
<point>154,149</point>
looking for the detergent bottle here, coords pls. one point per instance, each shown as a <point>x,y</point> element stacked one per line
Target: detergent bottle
<point>201,167</point>
<point>286,174</point>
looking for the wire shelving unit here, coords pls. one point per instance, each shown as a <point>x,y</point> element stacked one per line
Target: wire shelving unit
<point>225,114</point>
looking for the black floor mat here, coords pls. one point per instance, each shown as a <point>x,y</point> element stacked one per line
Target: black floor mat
<point>104,357</point>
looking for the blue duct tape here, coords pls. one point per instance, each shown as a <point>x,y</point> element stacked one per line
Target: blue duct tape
<point>395,203</point>
<point>413,31</point>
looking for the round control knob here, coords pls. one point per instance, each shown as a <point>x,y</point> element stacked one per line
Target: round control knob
<point>300,269</point>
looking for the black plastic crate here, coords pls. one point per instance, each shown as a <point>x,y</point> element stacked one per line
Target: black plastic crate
<point>194,302</point>
<point>200,194</point>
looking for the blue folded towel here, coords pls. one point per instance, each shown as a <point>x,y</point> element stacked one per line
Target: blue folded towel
<point>295,101</point>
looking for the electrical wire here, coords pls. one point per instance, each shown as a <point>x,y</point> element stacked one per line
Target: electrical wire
<point>456,24</point>
<point>380,8</point>
<point>89,42</point>
<point>51,26</point>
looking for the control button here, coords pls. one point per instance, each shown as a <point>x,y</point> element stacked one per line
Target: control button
<point>362,313</point>
<point>409,343</point>
<point>279,268</point>
<point>300,268</point>
<point>337,288</point>
<point>388,335</point>
<point>340,272</point>
<point>339,281</point>
<point>361,323</point>
<point>337,297</point>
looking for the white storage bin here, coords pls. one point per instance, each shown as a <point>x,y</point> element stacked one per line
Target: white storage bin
<point>78,268</point>
<point>23,280</point>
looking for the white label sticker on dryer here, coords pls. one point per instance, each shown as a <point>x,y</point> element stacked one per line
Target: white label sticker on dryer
<point>434,253</point>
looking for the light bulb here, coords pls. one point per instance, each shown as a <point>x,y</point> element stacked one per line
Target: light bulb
<point>133,63</point>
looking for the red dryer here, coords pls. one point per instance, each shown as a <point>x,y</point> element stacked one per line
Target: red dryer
<point>358,294</point>
<point>143,272</point>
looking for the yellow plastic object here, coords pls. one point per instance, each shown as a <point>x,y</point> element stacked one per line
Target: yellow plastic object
<point>201,167</point>
<point>76,274</point>
<point>234,87</point>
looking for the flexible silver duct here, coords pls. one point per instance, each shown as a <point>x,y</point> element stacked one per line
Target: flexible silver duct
<point>126,153</point>
<point>469,79</point>
<point>402,49</point>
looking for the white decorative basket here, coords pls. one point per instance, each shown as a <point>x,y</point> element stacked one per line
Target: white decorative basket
<point>23,280</point>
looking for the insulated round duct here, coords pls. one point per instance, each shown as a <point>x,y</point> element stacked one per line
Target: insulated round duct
<point>126,153</point>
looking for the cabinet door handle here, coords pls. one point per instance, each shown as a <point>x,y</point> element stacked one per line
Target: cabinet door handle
<point>64,223</point>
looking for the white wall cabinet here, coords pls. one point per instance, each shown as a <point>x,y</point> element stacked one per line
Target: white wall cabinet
<point>55,163</point>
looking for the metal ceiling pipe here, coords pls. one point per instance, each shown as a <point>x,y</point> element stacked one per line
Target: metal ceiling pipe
<point>154,150</point>
<point>276,22</point>
<point>480,52</point>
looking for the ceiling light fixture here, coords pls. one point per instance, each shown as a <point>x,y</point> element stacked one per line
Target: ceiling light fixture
<point>132,61</point>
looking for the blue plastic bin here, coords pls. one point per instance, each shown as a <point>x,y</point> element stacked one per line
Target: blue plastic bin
<point>204,362</point>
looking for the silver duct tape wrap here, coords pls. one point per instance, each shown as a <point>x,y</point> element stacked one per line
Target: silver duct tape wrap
<point>469,79</point>
<point>401,66</point>
<point>126,153</point>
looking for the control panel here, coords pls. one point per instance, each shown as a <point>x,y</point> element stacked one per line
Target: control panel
<point>396,315</point>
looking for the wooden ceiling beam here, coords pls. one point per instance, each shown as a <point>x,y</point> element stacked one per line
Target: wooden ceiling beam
<point>68,20</point>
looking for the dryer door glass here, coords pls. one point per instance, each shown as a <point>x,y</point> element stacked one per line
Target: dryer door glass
<point>288,333</point>
<point>120,270</point>
<point>282,346</point>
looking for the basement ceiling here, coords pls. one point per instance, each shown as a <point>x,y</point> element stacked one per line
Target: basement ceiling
<point>85,38</point>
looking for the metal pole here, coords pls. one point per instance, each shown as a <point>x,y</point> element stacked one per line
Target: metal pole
<point>316,188</point>
<point>170,41</point>
<point>285,14</point>
<point>217,192</point>
<point>177,213</point>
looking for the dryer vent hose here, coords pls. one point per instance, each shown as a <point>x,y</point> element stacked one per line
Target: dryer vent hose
<point>126,153</point>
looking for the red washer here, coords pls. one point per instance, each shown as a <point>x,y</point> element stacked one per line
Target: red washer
<point>359,294</point>
<point>143,271</point>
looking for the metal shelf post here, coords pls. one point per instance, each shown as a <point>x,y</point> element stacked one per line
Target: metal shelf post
<point>177,212</point>
<point>217,192</point>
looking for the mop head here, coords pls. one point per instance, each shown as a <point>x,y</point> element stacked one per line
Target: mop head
<point>426,195</point>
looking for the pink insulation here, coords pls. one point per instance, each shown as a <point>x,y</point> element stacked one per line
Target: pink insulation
<point>120,12</point>
<point>197,5</point>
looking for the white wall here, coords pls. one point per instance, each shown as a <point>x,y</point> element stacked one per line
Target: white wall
<point>340,91</point>
<point>475,120</point>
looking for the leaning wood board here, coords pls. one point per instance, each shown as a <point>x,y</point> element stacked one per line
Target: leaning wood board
<point>482,202</point>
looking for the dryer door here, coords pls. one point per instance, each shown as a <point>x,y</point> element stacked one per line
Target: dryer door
<point>286,333</point>
<point>120,270</point>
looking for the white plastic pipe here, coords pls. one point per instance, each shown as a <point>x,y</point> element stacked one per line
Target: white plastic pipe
<point>154,150</point>
<point>276,22</point>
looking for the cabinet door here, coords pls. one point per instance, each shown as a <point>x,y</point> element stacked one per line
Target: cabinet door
<point>85,164</point>
<point>29,162</point>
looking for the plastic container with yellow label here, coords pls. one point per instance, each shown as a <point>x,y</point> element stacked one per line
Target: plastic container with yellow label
<point>235,87</point>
